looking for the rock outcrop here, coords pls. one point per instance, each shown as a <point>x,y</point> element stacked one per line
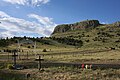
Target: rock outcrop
<point>117,24</point>
<point>76,26</point>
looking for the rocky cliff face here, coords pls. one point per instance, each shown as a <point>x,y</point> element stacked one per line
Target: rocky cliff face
<point>76,26</point>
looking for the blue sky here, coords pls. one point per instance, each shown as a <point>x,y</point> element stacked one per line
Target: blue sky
<point>36,18</point>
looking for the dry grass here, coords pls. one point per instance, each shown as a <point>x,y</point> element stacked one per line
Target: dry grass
<point>71,55</point>
<point>66,55</point>
<point>70,73</point>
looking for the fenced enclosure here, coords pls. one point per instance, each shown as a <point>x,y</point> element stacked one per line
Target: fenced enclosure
<point>75,59</point>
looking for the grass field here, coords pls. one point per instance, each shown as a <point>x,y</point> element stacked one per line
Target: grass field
<point>58,72</point>
<point>61,73</point>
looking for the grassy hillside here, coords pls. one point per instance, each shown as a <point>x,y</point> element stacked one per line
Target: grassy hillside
<point>86,34</point>
<point>103,36</point>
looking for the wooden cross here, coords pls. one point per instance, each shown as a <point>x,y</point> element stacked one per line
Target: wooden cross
<point>14,57</point>
<point>39,62</point>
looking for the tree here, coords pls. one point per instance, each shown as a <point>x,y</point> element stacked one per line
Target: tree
<point>3,43</point>
<point>69,41</point>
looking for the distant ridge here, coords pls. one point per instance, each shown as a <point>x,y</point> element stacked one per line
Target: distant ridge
<point>76,26</point>
<point>91,33</point>
<point>80,25</point>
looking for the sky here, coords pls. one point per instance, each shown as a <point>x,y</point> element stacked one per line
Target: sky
<point>38,18</point>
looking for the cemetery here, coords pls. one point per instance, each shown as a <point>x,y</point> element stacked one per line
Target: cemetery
<point>59,40</point>
<point>29,63</point>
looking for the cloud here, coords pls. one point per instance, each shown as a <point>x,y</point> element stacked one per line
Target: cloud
<point>11,26</point>
<point>3,15</point>
<point>46,22</point>
<point>28,2</point>
<point>43,20</point>
<point>104,22</point>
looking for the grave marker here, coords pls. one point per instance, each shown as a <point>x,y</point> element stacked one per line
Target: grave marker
<point>39,62</point>
<point>14,57</point>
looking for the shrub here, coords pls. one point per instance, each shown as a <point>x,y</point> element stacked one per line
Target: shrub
<point>10,66</point>
<point>87,36</point>
<point>87,40</point>
<point>44,50</point>
<point>29,47</point>
<point>1,67</point>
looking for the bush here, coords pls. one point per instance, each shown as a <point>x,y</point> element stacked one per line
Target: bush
<point>44,50</point>
<point>29,47</point>
<point>10,66</point>
<point>69,41</point>
<point>1,67</point>
<point>87,40</point>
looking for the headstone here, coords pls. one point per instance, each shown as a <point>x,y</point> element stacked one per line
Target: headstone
<point>27,75</point>
<point>90,66</point>
<point>86,66</point>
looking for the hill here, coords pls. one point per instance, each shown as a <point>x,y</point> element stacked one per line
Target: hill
<point>85,34</point>
<point>91,33</point>
<point>76,26</point>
